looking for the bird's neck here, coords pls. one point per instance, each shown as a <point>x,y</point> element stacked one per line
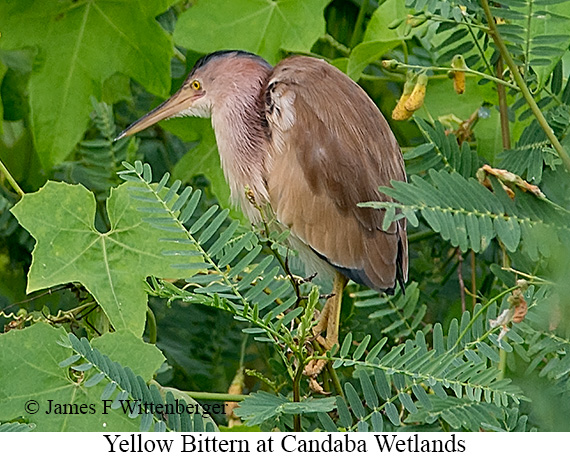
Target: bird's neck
<point>240,127</point>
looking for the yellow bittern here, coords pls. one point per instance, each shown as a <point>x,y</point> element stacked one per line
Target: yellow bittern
<point>311,145</point>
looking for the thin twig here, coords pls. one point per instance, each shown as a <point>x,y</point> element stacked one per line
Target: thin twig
<point>476,41</point>
<point>297,395</point>
<point>11,180</point>
<point>473,279</point>
<point>461,282</point>
<point>483,308</point>
<point>466,70</point>
<point>420,236</point>
<point>503,108</point>
<point>494,32</point>
<point>215,396</point>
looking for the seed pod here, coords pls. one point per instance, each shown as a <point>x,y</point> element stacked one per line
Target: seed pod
<point>391,64</point>
<point>400,113</point>
<point>458,74</point>
<point>416,99</point>
<point>520,312</point>
<point>518,303</point>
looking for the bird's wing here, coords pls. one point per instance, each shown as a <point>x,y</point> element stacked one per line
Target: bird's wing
<point>330,150</point>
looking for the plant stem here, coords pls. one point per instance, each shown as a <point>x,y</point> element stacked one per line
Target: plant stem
<point>460,277</point>
<point>476,41</point>
<point>503,111</point>
<point>483,308</point>
<point>473,280</point>
<point>420,236</point>
<point>215,396</point>
<point>344,50</point>
<point>335,380</point>
<point>242,350</point>
<point>502,363</point>
<point>466,70</point>
<point>11,180</point>
<point>297,396</point>
<point>494,32</point>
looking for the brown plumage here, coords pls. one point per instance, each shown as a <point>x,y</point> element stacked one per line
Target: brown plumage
<point>336,157</point>
<point>310,143</point>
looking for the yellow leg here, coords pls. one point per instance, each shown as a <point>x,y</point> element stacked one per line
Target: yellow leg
<point>330,317</point>
<point>329,320</point>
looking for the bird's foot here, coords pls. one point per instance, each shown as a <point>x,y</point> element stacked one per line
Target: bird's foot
<point>315,367</point>
<point>316,387</point>
<point>331,339</point>
<point>312,370</point>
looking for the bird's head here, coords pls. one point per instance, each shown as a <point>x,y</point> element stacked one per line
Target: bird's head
<point>215,80</point>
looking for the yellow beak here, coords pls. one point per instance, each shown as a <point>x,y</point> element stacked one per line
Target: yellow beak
<point>180,101</point>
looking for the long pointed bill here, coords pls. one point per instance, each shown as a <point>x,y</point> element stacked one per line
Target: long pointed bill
<point>179,101</point>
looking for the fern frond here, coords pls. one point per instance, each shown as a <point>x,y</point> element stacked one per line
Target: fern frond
<point>133,389</point>
<point>261,407</point>
<point>458,31</point>
<point>470,217</point>
<point>98,159</point>
<point>523,22</point>
<point>533,150</point>
<point>540,348</point>
<point>441,151</point>
<point>459,414</point>
<point>16,427</point>
<point>460,366</point>
<point>399,316</point>
<point>227,259</point>
<point>232,275</point>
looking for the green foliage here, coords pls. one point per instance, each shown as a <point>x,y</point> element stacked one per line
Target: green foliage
<point>132,388</point>
<point>16,427</point>
<point>98,159</point>
<point>441,151</point>
<point>154,290</point>
<point>464,212</point>
<point>399,317</point>
<point>533,151</point>
<point>378,39</point>
<point>257,26</point>
<point>69,248</point>
<point>536,33</point>
<point>81,46</point>
<point>261,407</point>
<point>33,355</point>
<point>226,276</point>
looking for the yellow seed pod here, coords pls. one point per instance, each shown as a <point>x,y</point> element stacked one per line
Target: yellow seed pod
<point>400,113</point>
<point>458,75</point>
<point>458,81</point>
<point>418,95</point>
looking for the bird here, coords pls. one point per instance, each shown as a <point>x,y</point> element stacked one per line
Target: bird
<point>309,144</point>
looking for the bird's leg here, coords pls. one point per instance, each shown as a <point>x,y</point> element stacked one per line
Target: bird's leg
<point>330,315</point>
<point>329,320</point>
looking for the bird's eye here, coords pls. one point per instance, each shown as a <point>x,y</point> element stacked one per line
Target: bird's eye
<point>196,85</point>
